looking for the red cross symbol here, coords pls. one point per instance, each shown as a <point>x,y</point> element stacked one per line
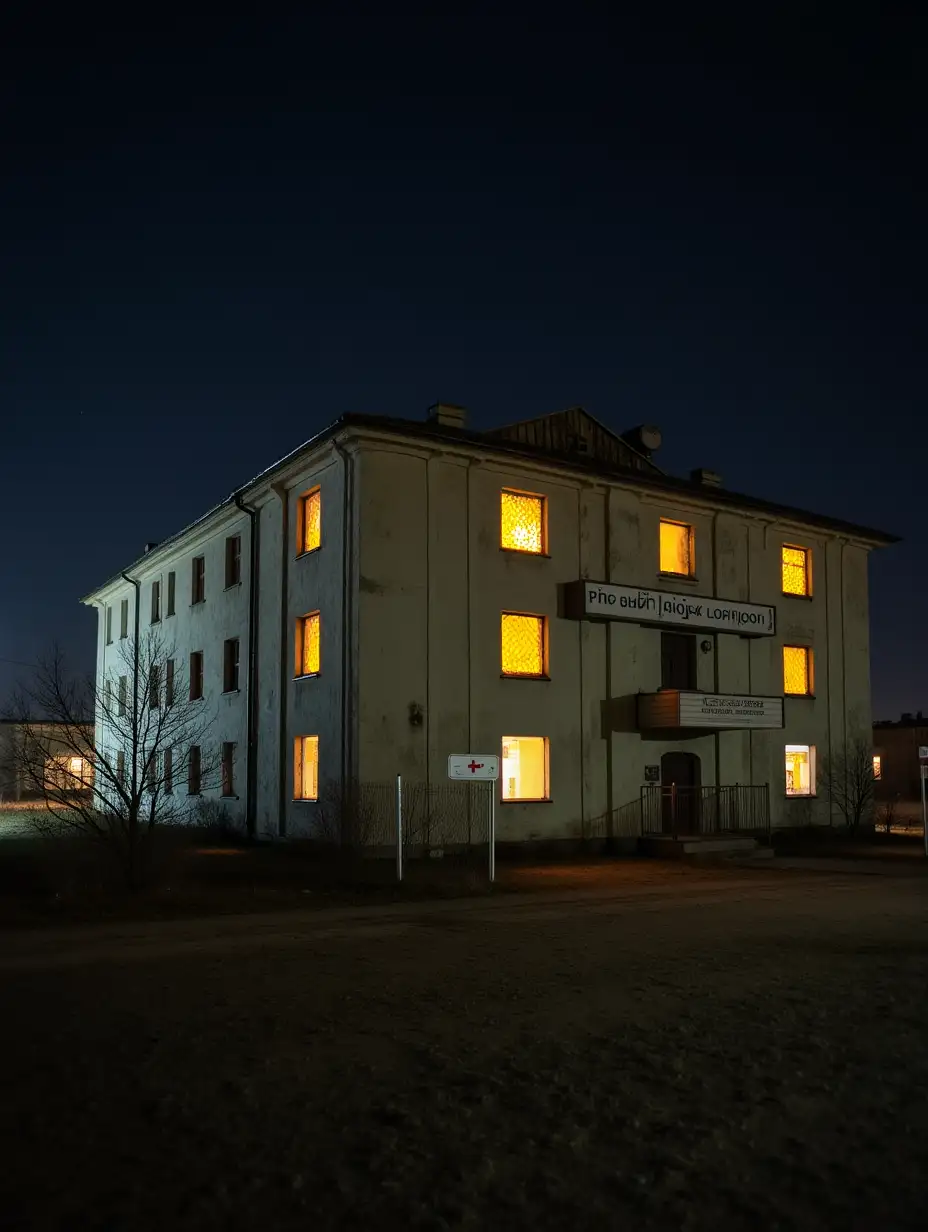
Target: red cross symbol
<point>475,766</point>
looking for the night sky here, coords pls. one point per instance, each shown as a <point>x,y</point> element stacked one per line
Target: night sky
<point>219,235</point>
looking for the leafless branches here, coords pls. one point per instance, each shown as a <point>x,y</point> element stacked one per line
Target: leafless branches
<point>112,758</point>
<point>847,781</point>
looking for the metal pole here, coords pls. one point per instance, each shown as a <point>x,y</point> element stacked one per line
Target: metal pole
<point>492,786</point>
<point>924,770</point>
<point>399,827</point>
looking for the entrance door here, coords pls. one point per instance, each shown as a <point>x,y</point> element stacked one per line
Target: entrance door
<point>681,779</point>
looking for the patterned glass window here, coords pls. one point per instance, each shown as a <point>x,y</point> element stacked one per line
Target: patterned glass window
<point>310,522</point>
<point>522,522</point>
<point>797,670</point>
<point>523,644</point>
<point>307,644</point>
<point>797,571</point>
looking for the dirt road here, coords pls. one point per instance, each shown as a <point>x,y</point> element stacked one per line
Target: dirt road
<point>740,1050</point>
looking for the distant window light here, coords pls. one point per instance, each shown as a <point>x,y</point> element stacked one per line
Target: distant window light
<point>800,769</point>
<point>877,766</point>
<point>525,768</point>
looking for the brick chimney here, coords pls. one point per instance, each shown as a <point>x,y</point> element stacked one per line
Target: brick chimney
<point>448,415</point>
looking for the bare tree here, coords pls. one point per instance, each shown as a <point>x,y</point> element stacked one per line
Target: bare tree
<point>847,781</point>
<point>115,757</point>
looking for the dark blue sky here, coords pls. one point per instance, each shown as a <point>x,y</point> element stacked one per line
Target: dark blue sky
<point>218,236</point>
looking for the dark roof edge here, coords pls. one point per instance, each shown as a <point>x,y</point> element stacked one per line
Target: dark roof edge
<point>659,481</point>
<point>463,436</point>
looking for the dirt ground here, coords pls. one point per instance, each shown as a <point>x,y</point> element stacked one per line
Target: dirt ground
<point>729,1049</point>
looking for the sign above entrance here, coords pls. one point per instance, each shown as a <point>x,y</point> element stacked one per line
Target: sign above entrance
<point>678,709</point>
<point>587,600</point>
<point>473,766</point>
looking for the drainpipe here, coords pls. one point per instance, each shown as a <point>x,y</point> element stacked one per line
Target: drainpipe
<point>610,786</point>
<point>347,615</point>
<point>251,748</point>
<point>135,682</point>
<point>283,684</point>
<point>715,659</point>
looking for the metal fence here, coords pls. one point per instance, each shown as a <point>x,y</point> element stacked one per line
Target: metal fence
<point>680,812</point>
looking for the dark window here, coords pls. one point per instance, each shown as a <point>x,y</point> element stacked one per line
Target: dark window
<point>123,694</point>
<point>196,675</point>
<point>193,771</point>
<point>228,768</point>
<point>155,602</point>
<point>198,579</point>
<point>230,666</point>
<point>678,661</point>
<point>168,776</point>
<point>172,582</point>
<point>121,766</point>
<point>169,683</point>
<point>109,625</point>
<point>124,618</point>
<point>154,687</point>
<point>151,773</point>
<point>233,560</point>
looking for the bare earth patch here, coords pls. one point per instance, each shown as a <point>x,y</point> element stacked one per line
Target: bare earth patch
<point>732,1049</point>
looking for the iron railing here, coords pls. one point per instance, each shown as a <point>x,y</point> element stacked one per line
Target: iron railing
<point>682,812</point>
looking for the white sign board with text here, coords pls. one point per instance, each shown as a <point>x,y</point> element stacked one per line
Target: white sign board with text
<point>714,710</point>
<point>605,601</point>
<point>473,766</point>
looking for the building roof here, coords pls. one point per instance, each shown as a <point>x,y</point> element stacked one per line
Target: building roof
<point>641,473</point>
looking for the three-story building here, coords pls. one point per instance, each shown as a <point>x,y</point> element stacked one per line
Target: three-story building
<point>636,647</point>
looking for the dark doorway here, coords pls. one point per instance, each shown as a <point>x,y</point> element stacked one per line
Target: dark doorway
<point>681,789</point>
<point>678,661</point>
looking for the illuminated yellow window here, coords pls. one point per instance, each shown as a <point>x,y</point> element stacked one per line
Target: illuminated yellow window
<point>523,645</point>
<point>797,570</point>
<point>800,769</point>
<point>877,766</point>
<point>797,670</point>
<point>309,522</point>
<point>307,645</point>
<point>522,522</point>
<point>525,768</point>
<point>306,768</point>
<point>677,550</point>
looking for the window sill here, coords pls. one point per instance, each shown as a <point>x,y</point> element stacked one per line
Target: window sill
<point>232,585</point>
<point>308,552</point>
<point>192,794</point>
<point>307,676</point>
<point>807,697</point>
<point>168,615</point>
<point>525,552</point>
<point>678,577</point>
<point>196,699</point>
<point>523,676</point>
<point>198,602</point>
<point>225,797</point>
<point>788,594</point>
<point>801,796</point>
<point>305,799</point>
<point>231,692</point>
<point>527,800</point>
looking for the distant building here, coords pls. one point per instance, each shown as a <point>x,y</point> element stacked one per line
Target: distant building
<point>61,766</point>
<point>394,592</point>
<point>895,758</point>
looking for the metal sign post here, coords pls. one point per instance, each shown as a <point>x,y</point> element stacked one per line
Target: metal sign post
<point>399,827</point>
<point>479,767</point>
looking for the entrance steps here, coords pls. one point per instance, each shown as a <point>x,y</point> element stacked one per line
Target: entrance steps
<point>712,848</point>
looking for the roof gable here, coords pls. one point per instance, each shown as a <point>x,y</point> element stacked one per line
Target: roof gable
<point>574,433</point>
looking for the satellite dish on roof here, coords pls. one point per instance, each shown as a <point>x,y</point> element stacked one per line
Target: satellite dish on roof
<point>645,438</point>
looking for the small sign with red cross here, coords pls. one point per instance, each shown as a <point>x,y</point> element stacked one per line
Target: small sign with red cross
<point>473,766</point>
